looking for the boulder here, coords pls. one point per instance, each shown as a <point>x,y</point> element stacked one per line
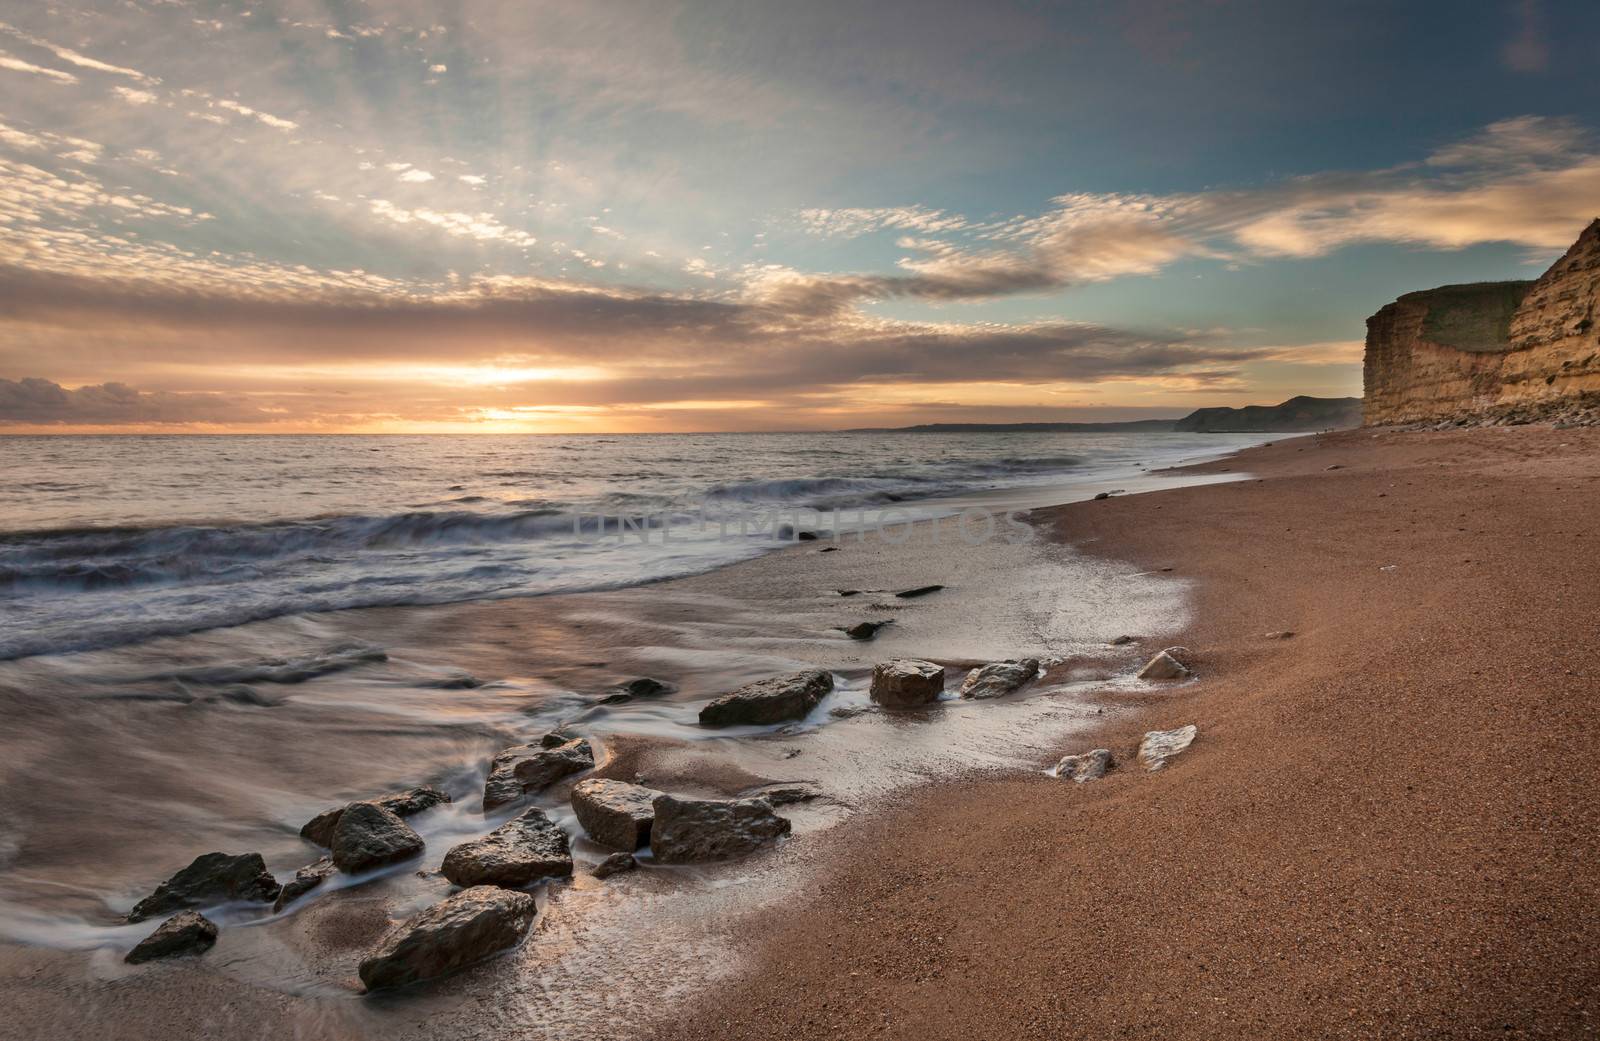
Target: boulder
<point>452,934</point>
<point>1085,766</point>
<point>212,878</point>
<point>1159,746</point>
<point>906,682</point>
<point>997,679</point>
<point>1166,665</point>
<point>518,853</point>
<point>319,829</point>
<point>526,769</point>
<point>864,630</point>
<point>615,813</point>
<point>187,932</point>
<point>769,701</point>
<point>368,836</point>
<point>615,864</point>
<point>304,881</point>
<point>689,830</point>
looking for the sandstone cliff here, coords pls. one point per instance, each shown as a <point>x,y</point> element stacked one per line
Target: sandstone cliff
<point>1491,351</point>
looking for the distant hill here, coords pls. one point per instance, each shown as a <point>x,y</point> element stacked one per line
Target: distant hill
<point>1298,413</point>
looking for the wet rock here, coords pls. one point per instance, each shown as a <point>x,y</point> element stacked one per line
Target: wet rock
<point>1102,495</point>
<point>304,881</point>
<point>911,594</point>
<point>211,878</point>
<point>369,836</point>
<point>186,932</point>
<point>784,793</point>
<point>526,769</point>
<point>1159,746</point>
<point>1166,665</point>
<point>615,813</point>
<point>517,853</point>
<point>769,701</point>
<point>906,682</point>
<point>690,830</point>
<point>615,864</point>
<point>644,687</point>
<point>997,679</point>
<point>410,802</point>
<point>556,738</point>
<point>864,630</point>
<point>807,536</point>
<point>1085,766</point>
<point>452,934</point>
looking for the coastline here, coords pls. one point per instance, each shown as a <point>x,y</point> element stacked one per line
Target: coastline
<point>1384,827</point>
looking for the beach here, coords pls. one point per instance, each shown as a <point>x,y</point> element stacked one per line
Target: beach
<point>1383,825</point>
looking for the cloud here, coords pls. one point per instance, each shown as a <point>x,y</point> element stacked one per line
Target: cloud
<point>41,402</point>
<point>416,176</point>
<point>134,97</point>
<point>82,61</point>
<point>18,65</point>
<point>276,122</point>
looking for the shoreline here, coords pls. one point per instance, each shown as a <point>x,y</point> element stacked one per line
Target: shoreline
<point>1381,828</point>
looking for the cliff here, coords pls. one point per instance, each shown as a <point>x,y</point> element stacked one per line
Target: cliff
<point>1298,413</point>
<point>1491,351</point>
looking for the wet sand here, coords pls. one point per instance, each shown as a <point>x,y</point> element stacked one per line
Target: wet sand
<point>1386,827</point>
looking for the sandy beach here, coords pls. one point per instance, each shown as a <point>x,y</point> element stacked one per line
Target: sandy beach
<point>1384,829</point>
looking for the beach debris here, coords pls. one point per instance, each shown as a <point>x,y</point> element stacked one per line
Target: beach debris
<point>1281,634</point>
<point>784,793</point>
<point>774,700</point>
<point>1159,746</point>
<point>906,682</point>
<point>691,830</point>
<point>615,864</point>
<point>452,934</point>
<point>319,829</point>
<point>211,878</point>
<point>1123,641</point>
<point>643,687</point>
<point>369,836</point>
<point>526,769</point>
<point>304,881</point>
<point>1166,665</point>
<point>187,932</point>
<point>997,679</point>
<point>1085,766</point>
<point>911,594</point>
<point>865,630</point>
<point>517,853</point>
<point>615,813</point>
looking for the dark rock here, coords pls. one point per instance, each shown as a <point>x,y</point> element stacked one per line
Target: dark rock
<point>1122,641</point>
<point>369,836</point>
<point>807,536</point>
<point>212,878</point>
<point>615,864</point>
<point>830,549</point>
<point>919,591</point>
<point>452,934</point>
<point>615,813</point>
<point>849,592</point>
<point>556,738</point>
<point>769,701</point>
<point>517,853</point>
<point>689,830</point>
<point>410,802</point>
<point>1102,495</point>
<point>645,687</point>
<point>907,682</point>
<point>526,769</point>
<point>1000,678</point>
<point>1085,766</point>
<point>864,630</point>
<point>186,932</point>
<point>304,881</point>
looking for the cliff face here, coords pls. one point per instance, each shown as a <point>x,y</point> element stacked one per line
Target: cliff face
<point>1492,351</point>
<point>1298,413</point>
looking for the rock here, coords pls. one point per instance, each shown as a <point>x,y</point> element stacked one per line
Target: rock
<point>910,594</point>
<point>615,813</point>
<point>304,881</point>
<point>1164,666</point>
<point>211,878</point>
<point>615,864</point>
<point>906,682</point>
<point>769,701</point>
<point>864,630</point>
<point>1102,495</point>
<point>186,932</point>
<point>1159,746</point>
<point>849,592</point>
<point>517,853</point>
<point>829,549</point>
<point>556,738</point>
<point>526,769</point>
<point>1085,766</point>
<point>368,836</point>
<point>807,536</point>
<point>1123,641</point>
<point>410,802</point>
<point>997,679</point>
<point>1282,634</point>
<point>452,934</point>
<point>644,687</point>
<point>784,793</point>
<point>689,830</point>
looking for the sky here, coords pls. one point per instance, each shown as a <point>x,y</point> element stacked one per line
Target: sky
<point>668,215</point>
